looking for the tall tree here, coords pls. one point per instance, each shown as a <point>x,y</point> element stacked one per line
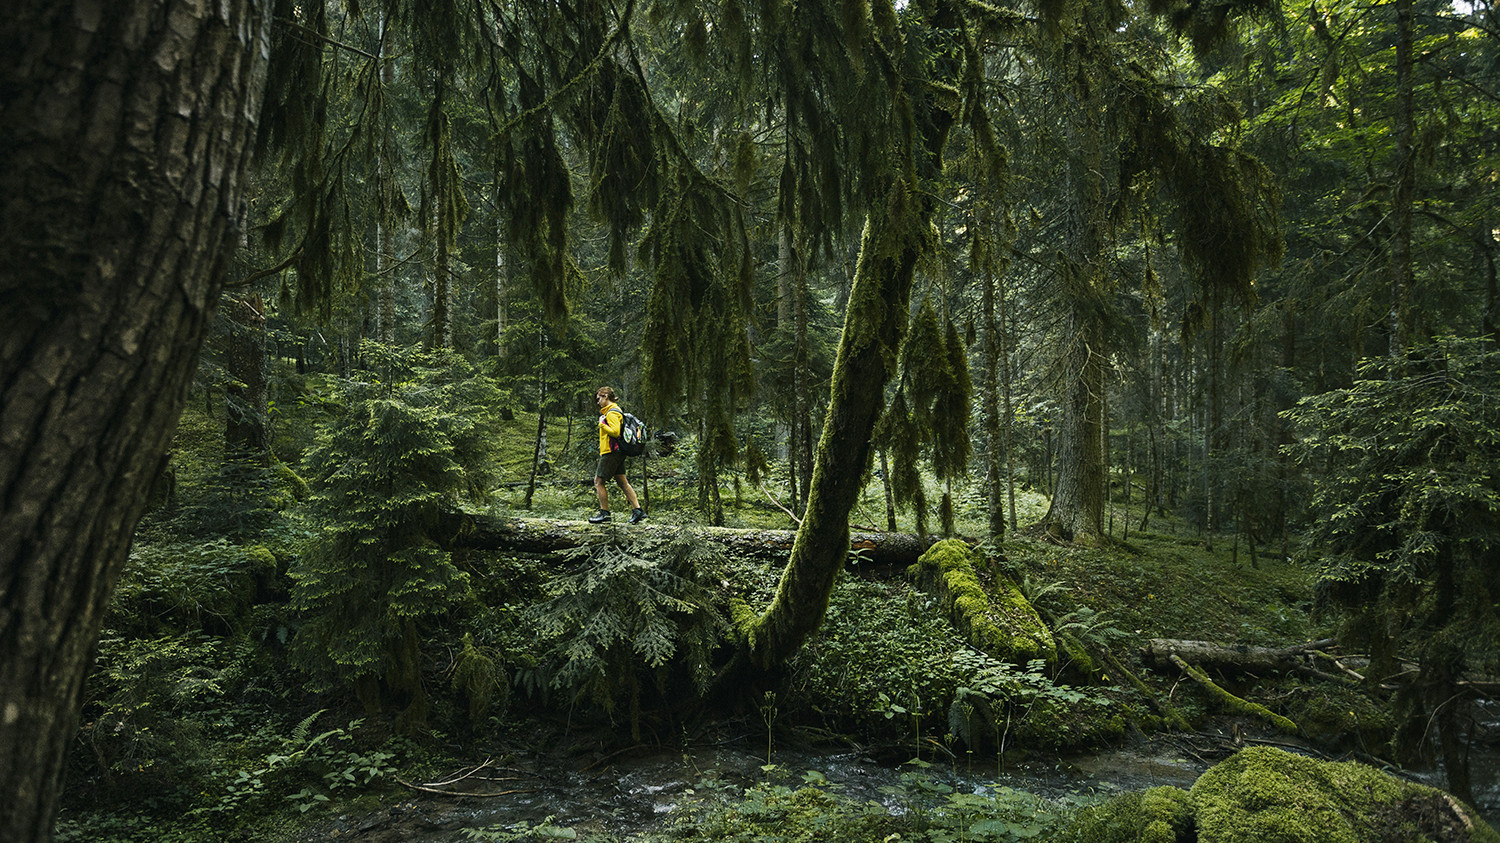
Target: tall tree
<point>125,136</point>
<point>1149,134</point>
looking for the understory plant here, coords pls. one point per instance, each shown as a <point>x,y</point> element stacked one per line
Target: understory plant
<point>406,450</point>
<point>632,613</point>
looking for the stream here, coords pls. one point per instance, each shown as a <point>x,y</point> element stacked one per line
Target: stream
<point>638,790</point>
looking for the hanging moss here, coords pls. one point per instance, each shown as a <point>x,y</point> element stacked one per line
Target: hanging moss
<point>1006,627</point>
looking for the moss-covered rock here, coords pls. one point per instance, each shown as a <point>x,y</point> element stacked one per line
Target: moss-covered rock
<point>1002,624</point>
<point>1266,795</point>
<point>1158,815</point>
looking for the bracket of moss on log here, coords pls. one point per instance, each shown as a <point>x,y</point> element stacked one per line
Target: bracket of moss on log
<point>1006,627</point>
<point>1232,703</point>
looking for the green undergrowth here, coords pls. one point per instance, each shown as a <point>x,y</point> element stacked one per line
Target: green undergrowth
<point>809,807</point>
<point>1164,586</point>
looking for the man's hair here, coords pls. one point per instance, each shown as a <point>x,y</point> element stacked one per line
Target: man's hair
<point>608,391</point>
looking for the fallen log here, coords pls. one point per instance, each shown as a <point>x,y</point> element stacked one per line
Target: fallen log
<point>1237,658</point>
<point>1232,703</point>
<point>540,535</point>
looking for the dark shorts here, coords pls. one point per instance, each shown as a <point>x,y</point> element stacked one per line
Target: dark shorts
<point>610,465</point>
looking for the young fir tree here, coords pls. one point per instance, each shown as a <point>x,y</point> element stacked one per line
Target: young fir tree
<point>382,475</point>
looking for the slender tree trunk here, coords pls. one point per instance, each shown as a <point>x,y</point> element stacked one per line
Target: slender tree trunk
<point>995,455</point>
<point>1490,321</point>
<point>1010,411</point>
<point>124,144</point>
<point>246,408</point>
<point>801,388</point>
<point>539,452</point>
<point>1405,179</point>
<point>442,294</point>
<point>890,496</point>
<point>385,283</point>
<point>1211,424</point>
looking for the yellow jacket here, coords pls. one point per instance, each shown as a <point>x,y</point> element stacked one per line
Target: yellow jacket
<point>611,420</point>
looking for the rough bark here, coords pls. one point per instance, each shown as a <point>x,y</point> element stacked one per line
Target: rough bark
<point>539,535</point>
<point>125,131</point>
<point>1077,509</point>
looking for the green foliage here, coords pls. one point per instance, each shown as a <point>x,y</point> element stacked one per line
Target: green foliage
<point>878,638</point>
<point>155,703</point>
<point>1407,503</point>
<point>187,583</point>
<point>921,808</point>
<point>636,610</point>
<point>326,765</point>
<point>997,704</point>
<point>382,476</point>
<point>1154,815</point>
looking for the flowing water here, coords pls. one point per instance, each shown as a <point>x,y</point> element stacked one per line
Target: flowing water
<point>638,790</point>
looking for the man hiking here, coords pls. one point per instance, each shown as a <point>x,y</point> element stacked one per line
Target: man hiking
<point>611,458</point>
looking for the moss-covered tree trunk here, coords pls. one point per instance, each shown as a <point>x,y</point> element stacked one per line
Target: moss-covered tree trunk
<point>873,328</point>
<point>125,132</point>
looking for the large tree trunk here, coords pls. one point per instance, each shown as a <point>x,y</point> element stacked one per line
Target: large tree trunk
<point>1077,510</point>
<point>125,131</point>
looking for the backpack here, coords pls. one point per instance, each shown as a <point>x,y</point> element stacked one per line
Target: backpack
<point>632,436</point>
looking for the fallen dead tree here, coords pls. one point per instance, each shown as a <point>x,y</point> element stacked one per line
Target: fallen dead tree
<point>540,535</point>
<point>1308,659</point>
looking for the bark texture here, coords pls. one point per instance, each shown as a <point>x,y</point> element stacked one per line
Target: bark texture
<point>125,130</point>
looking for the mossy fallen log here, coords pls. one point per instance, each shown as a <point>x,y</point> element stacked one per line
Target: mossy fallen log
<point>1233,704</point>
<point>1241,658</point>
<point>1000,622</point>
<point>1169,713</point>
<point>542,535</point>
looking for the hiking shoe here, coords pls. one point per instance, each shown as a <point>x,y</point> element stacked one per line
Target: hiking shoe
<point>599,517</point>
<point>637,515</point>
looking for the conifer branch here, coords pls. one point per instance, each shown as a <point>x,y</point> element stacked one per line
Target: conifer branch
<point>313,33</point>
<point>587,71</point>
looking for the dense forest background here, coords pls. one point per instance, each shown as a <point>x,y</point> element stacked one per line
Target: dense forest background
<point>1064,280</point>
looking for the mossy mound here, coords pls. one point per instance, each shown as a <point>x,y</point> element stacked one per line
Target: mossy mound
<point>1158,815</point>
<point>1266,795</point>
<point>1002,624</point>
